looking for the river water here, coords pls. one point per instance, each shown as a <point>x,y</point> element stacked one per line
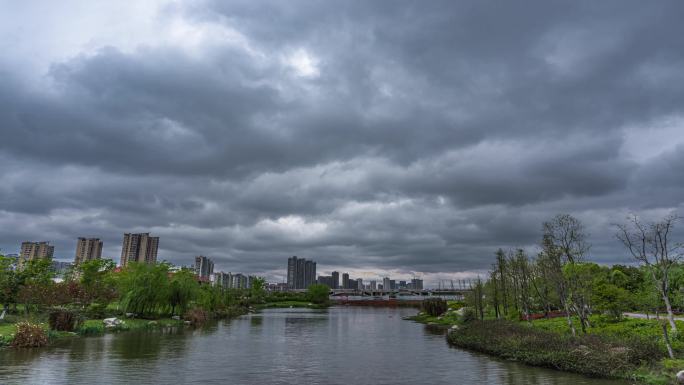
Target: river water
<point>340,345</point>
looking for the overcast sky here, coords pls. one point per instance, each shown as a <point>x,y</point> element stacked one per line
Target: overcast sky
<point>377,137</point>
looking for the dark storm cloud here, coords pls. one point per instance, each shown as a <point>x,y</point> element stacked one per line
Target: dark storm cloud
<point>398,136</point>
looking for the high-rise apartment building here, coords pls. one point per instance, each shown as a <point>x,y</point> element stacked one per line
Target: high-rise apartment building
<point>359,284</point>
<point>223,280</point>
<point>335,280</point>
<point>345,281</point>
<point>139,248</point>
<point>240,281</point>
<point>300,273</point>
<point>88,249</point>
<point>204,267</point>
<point>417,284</point>
<point>35,250</point>
<point>326,280</point>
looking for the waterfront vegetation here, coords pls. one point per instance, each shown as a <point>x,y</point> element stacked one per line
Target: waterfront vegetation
<point>140,296</point>
<point>560,310</point>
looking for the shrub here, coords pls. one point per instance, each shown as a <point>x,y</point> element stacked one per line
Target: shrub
<point>592,355</point>
<point>434,306</point>
<point>318,294</point>
<point>62,320</point>
<point>196,316</point>
<point>97,310</point>
<point>468,315</point>
<point>29,335</point>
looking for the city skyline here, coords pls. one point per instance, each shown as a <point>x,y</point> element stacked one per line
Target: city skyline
<point>91,248</point>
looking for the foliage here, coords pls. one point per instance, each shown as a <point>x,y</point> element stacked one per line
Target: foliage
<point>257,291</point>
<point>318,294</point>
<point>612,299</point>
<point>196,316</point>
<point>434,306</point>
<point>182,290</point>
<point>29,335</point>
<point>62,320</point>
<point>468,315</point>
<point>144,288</point>
<point>97,283</point>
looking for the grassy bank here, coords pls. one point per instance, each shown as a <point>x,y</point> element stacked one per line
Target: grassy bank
<point>592,355</point>
<point>629,348</point>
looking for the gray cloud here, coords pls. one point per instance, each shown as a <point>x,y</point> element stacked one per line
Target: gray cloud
<point>371,136</point>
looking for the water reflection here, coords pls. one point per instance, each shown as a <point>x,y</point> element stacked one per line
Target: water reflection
<point>280,346</point>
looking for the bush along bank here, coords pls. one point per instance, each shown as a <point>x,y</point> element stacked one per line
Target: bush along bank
<point>591,355</point>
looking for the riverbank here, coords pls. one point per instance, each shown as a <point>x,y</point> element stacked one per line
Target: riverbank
<point>91,327</point>
<point>629,349</point>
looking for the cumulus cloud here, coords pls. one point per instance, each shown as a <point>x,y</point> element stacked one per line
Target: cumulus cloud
<point>376,137</point>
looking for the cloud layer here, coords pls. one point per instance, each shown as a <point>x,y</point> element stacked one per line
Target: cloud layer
<point>378,137</point>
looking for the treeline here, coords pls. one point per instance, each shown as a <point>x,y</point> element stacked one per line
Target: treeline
<point>559,280</point>
<point>146,290</point>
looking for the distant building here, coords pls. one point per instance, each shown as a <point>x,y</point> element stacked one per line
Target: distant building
<point>345,281</point>
<point>359,284</point>
<point>223,280</point>
<point>240,281</point>
<point>88,249</point>
<point>417,284</point>
<point>300,273</point>
<point>326,280</point>
<point>277,286</point>
<point>402,285</point>
<point>373,285</point>
<point>60,268</point>
<point>204,267</point>
<point>386,284</point>
<point>139,248</point>
<point>335,280</point>
<point>35,250</point>
<point>392,284</point>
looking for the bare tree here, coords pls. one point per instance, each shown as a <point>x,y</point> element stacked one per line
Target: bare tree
<point>650,245</point>
<point>564,242</point>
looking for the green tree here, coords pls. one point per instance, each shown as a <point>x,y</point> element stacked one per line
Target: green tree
<point>9,282</point>
<point>318,294</point>
<point>35,283</point>
<point>183,289</point>
<point>144,288</point>
<point>97,283</point>
<point>611,298</point>
<point>257,291</point>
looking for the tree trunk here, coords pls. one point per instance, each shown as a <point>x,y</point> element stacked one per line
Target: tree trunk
<point>670,315</point>
<point>667,341</point>
<point>569,318</point>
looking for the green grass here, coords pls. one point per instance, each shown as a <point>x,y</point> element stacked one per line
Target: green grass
<point>625,328</point>
<point>7,331</point>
